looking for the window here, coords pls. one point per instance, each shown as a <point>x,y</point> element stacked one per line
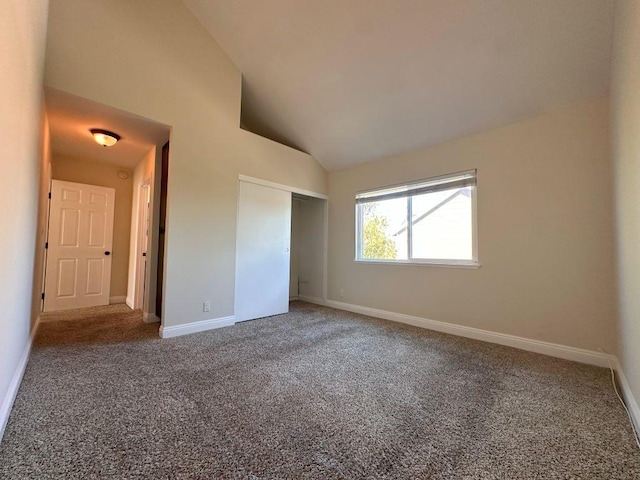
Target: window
<point>431,221</point>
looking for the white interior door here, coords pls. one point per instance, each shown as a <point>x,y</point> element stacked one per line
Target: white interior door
<point>262,251</point>
<point>80,241</point>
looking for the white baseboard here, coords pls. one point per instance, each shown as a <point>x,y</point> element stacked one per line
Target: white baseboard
<point>627,395</point>
<point>316,300</point>
<point>150,317</point>
<point>119,299</point>
<point>14,385</point>
<point>590,357</point>
<point>195,327</point>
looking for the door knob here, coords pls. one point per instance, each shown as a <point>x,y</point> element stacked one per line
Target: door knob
<point>107,252</point>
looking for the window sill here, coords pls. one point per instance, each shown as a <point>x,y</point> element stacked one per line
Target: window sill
<point>424,263</point>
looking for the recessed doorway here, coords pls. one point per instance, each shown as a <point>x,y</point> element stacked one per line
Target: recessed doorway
<point>126,235</point>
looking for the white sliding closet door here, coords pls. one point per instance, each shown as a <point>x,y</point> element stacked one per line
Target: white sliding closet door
<point>262,251</point>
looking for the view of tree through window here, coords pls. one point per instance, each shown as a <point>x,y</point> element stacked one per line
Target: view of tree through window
<point>376,241</point>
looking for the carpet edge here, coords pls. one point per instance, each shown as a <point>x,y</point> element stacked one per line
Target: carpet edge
<point>581,355</point>
<point>16,380</point>
<point>195,327</point>
<point>627,394</point>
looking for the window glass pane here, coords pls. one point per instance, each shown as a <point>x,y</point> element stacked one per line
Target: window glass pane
<point>442,225</point>
<point>383,229</point>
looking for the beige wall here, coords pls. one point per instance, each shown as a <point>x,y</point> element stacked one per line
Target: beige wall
<point>311,248</point>
<point>104,175</point>
<point>545,232</point>
<point>22,40</point>
<point>295,248</point>
<point>157,61</point>
<point>626,148</point>
<point>308,248</point>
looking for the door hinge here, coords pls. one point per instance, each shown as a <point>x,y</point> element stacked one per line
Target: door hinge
<point>46,245</point>
<point>49,194</point>
<point>43,295</point>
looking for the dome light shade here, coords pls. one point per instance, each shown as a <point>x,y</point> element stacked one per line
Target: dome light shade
<point>104,137</point>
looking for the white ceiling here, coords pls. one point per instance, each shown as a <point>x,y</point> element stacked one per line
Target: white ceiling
<point>71,117</point>
<point>349,81</point>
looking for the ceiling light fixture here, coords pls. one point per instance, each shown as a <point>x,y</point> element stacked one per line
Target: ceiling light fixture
<point>104,137</point>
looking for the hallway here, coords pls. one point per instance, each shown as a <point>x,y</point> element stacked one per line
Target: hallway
<point>104,324</point>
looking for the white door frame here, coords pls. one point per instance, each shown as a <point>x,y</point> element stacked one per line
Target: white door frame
<point>308,193</point>
<point>142,233</point>
<point>43,282</point>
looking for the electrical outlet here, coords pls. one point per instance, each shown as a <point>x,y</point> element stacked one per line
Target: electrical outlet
<point>206,306</point>
<point>341,293</point>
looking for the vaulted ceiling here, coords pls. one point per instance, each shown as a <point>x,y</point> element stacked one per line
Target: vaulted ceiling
<point>350,81</point>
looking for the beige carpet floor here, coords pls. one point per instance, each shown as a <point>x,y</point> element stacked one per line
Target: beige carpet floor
<point>313,394</point>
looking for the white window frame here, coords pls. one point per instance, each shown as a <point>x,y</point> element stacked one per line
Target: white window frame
<point>403,191</point>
